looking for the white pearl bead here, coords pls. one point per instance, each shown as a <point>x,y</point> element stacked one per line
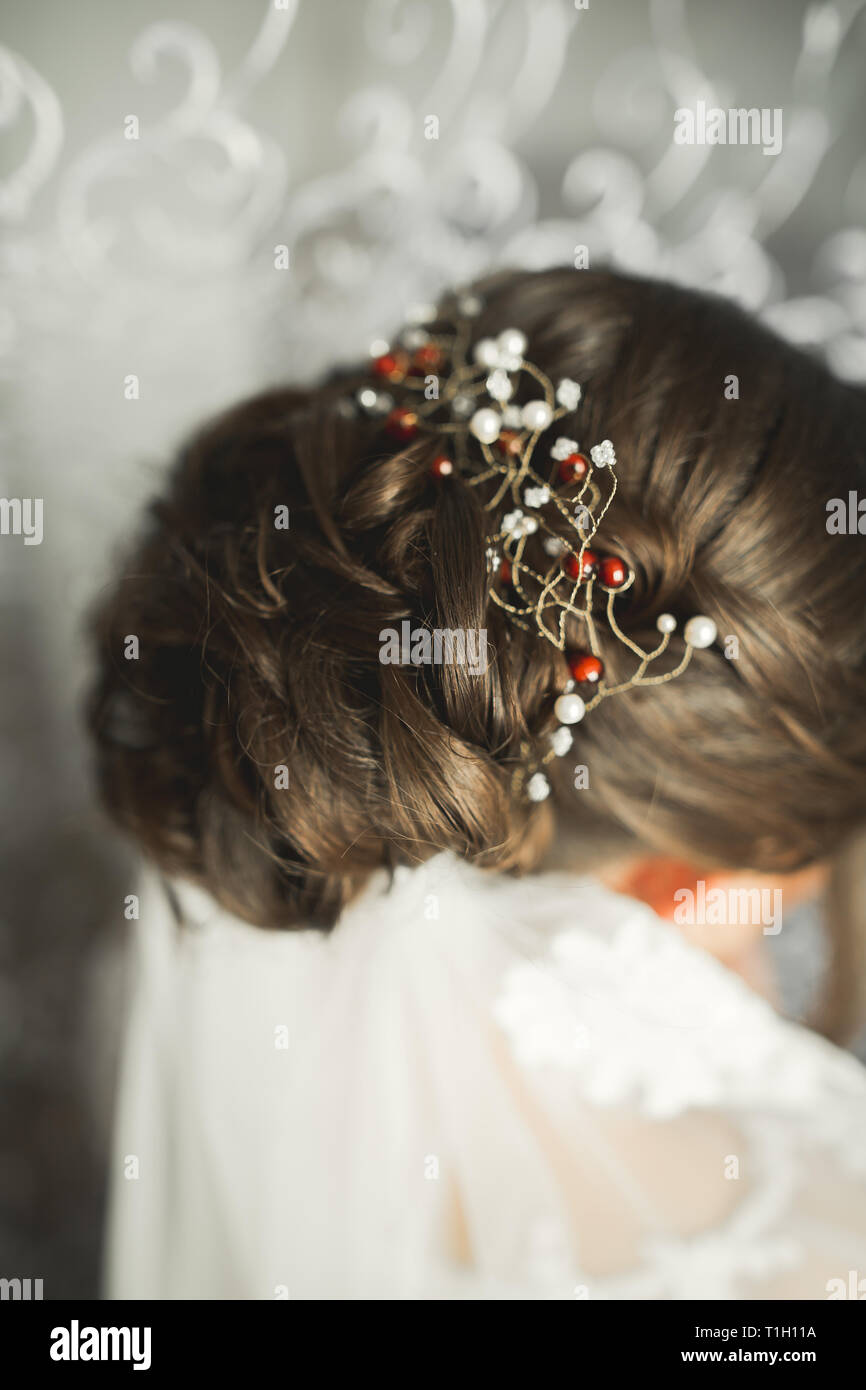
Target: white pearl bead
<point>499,385</point>
<point>512,342</point>
<point>376,402</point>
<point>666,622</point>
<point>536,415</point>
<point>486,352</point>
<point>538,787</point>
<point>569,709</point>
<point>561,740</point>
<point>412,338</point>
<point>700,631</point>
<point>485,425</point>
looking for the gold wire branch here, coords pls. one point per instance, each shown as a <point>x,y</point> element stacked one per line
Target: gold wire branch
<point>473,408</point>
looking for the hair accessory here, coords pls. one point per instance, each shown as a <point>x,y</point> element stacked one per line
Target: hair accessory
<point>549,496</point>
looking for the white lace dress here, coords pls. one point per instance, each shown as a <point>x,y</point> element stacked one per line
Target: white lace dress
<point>474,1087</point>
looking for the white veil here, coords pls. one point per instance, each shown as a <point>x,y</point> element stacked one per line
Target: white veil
<point>474,1087</point>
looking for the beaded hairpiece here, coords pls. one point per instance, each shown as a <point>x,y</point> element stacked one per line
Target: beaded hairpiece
<point>465,393</point>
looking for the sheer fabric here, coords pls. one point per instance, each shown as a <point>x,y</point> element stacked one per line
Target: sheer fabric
<point>474,1087</point>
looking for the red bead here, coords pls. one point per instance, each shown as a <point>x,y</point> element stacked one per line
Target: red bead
<point>572,469</point>
<point>575,569</point>
<point>612,573</point>
<point>391,366</point>
<point>442,467</point>
<point>509,442</point>
<point>402,423</point>
<point>427,358</point>
<point>586,669</point>
<point>505,572</point>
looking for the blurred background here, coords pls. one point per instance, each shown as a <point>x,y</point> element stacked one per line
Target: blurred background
<point>203,197</point>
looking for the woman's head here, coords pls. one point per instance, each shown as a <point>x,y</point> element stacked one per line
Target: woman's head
<point>259,744</point>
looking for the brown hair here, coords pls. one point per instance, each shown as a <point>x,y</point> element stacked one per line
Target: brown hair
<point>259,646</point>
